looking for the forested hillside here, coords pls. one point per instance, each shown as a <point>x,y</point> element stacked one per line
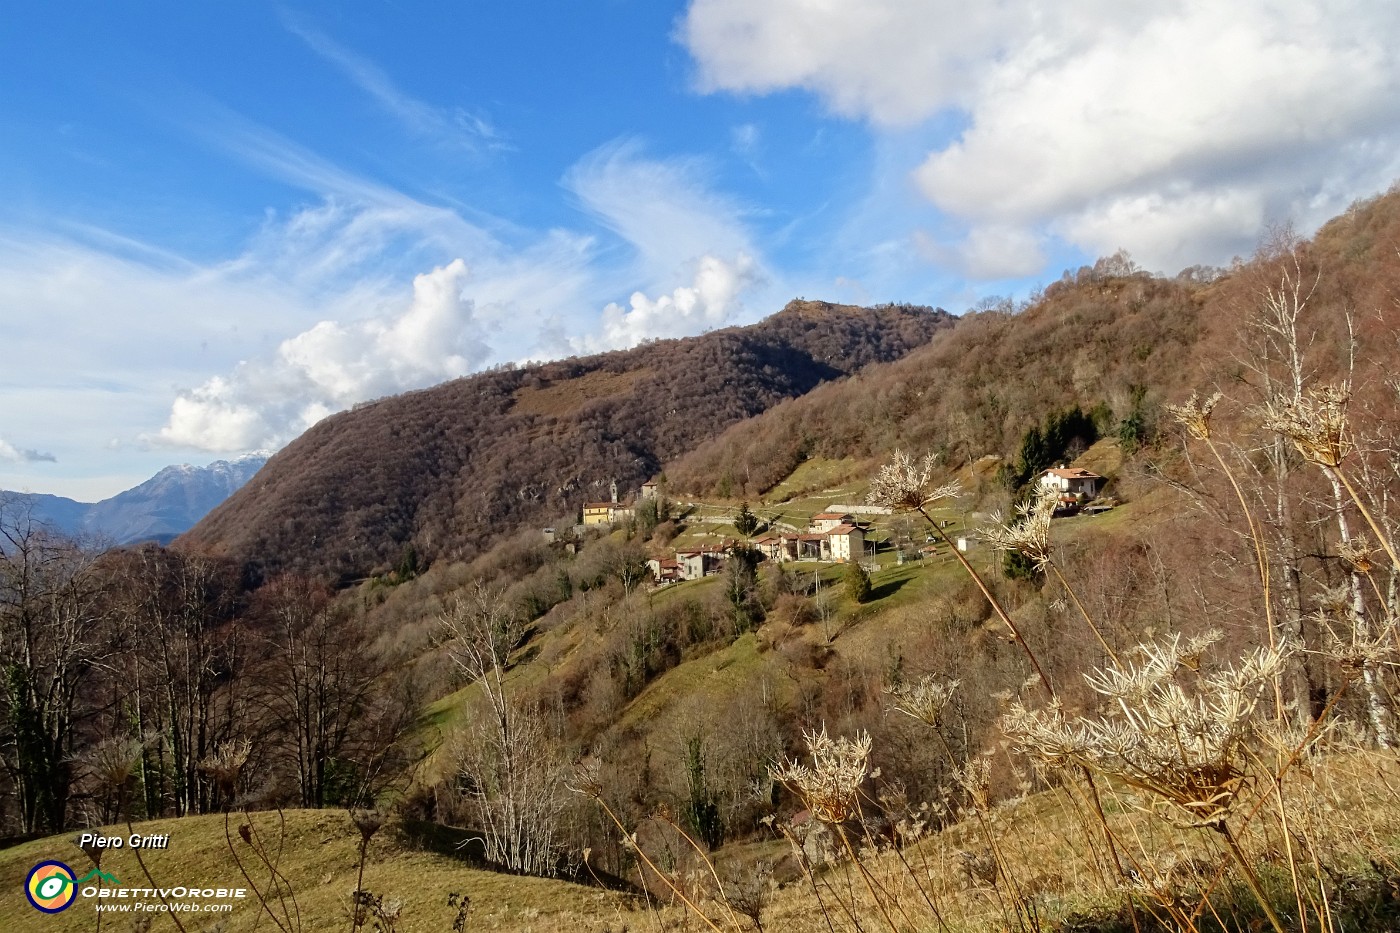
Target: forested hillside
<point>1045,704</point>
<point>446,471</point>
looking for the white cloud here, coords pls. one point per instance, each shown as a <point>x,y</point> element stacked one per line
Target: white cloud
<point>713,299</point>
<point>9,452</point>
<point>680,229</point>
<point>865,59</point>
<point>665,209</point>
<point>992,251</point>
<point>1175,130</point>
<point>313,314</point>
<point>331,366</point>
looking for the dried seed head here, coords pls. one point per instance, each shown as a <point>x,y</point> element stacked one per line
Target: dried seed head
<point>1355,654</point>
<point>831,785</point>
<point>1316,424</point>
<point>1358,553</point>
<point>226,764</point>
<point>114,761</point>
<point>588,779</point>
<point>924,700</point>
<point>1186,749</point>
<point>368,822</point>
<point>905,485</point>
<point>1334,601</point>
<point>976,778</point>
<point>1194,416</point>
<point>1030,533</point>
<point>1161,661</point>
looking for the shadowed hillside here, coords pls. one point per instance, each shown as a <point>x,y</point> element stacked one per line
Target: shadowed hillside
<point>446,470</point>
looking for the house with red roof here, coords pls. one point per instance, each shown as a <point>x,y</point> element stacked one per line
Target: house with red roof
<point>1072,482</point>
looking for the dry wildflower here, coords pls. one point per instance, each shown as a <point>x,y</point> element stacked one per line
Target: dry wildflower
<point>368,822</point>
<point>1288,738</point>
<point>979,867</point>
<point>588,779</point>
<point>1030,533</point>
<point>910,830</point>
<point>1194,416</point>
<point>905,485</point>
<point>976,779</point>
<point>1358,554</point>
<point>1333,602</point>
<point>1161,662</point>
<point>1355,655</point>
<point>924,700</point>
<point>1316,424</point>
<point>1185,749</point>
<point>831,785</point>
<point>226,764</point>
<point>113,761</point>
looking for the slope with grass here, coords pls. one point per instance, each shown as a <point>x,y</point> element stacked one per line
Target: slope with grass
<point>317,851</point>
<point>1024,861</point>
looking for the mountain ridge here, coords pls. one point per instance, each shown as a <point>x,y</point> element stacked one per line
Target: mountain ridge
<point>159,509</point>
<point>445,471</point>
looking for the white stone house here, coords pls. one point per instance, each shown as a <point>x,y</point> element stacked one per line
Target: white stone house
<point>824,522</point>
<point>1072,481</point>
<point>846,542</point>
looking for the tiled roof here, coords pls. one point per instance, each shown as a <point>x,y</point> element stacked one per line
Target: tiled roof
<point>1075,473</point>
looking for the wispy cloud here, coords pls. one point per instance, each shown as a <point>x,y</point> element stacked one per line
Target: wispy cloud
<point>666,209</point>
<point>453,126</point>
<point>681,229</point>
<point>13,454</point>
<point>316,312</point>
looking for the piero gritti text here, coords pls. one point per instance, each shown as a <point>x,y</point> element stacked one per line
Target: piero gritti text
<point>134,841</point>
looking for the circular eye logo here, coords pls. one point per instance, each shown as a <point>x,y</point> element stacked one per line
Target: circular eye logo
<point>50,887</point>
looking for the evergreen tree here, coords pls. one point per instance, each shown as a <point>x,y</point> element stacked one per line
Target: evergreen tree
<point>746,523</point>
<point>741,587</point>
<point>701,811</point>
<point>856,582</point>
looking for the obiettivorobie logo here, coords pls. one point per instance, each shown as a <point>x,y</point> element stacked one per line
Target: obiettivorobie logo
<point>51,886</point>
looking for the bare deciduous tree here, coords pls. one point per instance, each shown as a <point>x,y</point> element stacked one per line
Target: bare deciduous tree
<point>509,761</point>
<point>318,683</point>
<point>51,640</point>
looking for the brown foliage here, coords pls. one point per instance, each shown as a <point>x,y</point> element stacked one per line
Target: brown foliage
<point>449,469</point>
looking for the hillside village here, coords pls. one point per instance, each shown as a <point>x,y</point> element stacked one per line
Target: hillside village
<point>842,533</point>
<point>696,635</point>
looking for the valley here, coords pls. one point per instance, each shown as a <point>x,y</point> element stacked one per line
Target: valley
<point>1079,615</point>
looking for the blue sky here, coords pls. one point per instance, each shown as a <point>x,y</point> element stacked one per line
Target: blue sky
<point>221,222</point>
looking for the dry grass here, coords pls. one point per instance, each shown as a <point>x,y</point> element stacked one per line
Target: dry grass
<point>1047,869</point>
<point>321,850</point>
<point>1054,875</point>
<point>819,476</point>
<point>563,398</point>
